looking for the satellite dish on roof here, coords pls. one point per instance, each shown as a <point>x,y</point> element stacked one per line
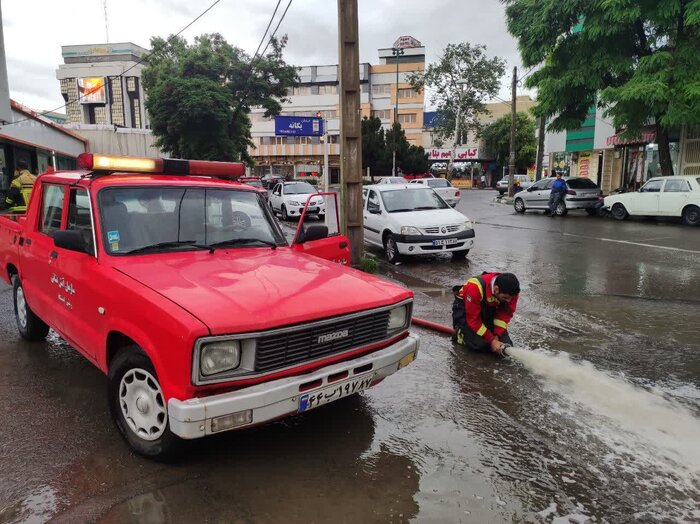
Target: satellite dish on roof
<point>406,42</point>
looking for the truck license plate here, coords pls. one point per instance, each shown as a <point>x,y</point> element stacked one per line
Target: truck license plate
<point>334,392</point>
<point>445,241</point>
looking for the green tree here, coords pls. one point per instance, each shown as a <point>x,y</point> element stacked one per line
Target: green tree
<point>639,60</point>
<point>459,85</point>
<point>373,145</point>
<point>497,139</point>
<point>396,141</point>
<point>416,160</point>
<point>200,95</point>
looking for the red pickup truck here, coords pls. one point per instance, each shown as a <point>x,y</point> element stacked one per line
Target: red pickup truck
<point>177,282</point>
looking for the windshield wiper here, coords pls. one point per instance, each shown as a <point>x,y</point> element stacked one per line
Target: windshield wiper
<point>422,208</point>
<point>236,241</point>
<point>175,243</point>
<point>400,210</point>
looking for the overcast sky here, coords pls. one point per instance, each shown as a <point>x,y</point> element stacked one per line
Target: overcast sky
<point>35,30</point>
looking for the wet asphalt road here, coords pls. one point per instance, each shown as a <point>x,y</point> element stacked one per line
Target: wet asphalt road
<point>600,422</point>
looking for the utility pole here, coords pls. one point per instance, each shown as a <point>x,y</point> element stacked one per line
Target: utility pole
<point>326,173</point>
<point>540,148</point>
<point>511,168</point>
<point>396,52</point>
<point>350,130</point>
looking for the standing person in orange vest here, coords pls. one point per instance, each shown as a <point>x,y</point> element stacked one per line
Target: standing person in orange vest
<point>482,309</point>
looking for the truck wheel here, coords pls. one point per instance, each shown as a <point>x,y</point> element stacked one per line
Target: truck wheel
<point>618,212</point>
<point>691,216</point>
<point>391,249</point>
<point>138,406</point>
<point>285,216</point>
<point>519,205</point>
<point>29,325</point>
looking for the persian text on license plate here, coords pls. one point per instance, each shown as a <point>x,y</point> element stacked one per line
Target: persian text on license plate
<point>333,392</point>
<point>445,241</point>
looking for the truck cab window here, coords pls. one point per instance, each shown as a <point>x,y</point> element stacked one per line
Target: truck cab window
<point>79,218</point>
<point>51,208</point>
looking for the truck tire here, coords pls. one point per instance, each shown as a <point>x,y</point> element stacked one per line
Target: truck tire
<point>691,216</point>
<point>138,407</point>
<point>29,325</point>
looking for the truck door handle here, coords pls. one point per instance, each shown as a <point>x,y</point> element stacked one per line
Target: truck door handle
<point>27,241</point>
<point>53,254</point>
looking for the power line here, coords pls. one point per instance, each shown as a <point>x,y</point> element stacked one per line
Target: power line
<point>267,29</point>
<point>255,59</point>
<point>121,75</point>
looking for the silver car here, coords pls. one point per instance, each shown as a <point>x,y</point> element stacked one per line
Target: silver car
<point>581,193</point>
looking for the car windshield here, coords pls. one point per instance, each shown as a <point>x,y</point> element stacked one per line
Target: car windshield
<point>412,200</point>
<point>438,182</point>
<point>581,183</point>
<point>158,219</point>
<point>299,188</point>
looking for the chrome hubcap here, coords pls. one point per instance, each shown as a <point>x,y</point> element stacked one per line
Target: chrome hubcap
<point>390,250</point>
<point>21,308</point>
<point>142,404</point>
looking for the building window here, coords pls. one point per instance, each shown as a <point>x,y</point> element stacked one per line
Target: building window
<point>328,90</point>
<point>382,114</point>
<point>407,118</point>
<point>116,97</point>
<point>69,91</point>
<point>330,114</point>
<point>407,93</point>
<point>302,90</point>
<point>132,87</point>
<point>381,89</point>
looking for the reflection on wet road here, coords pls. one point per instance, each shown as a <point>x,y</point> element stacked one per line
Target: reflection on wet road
<point>600,420</point>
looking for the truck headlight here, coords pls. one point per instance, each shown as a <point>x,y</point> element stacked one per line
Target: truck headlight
<point>219,356</point>
<point>409,230</point>
<point>398,318</point>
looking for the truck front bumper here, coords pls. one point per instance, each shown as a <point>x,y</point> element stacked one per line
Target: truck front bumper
<point>190,419</point>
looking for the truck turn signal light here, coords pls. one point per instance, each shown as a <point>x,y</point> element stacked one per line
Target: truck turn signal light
<point>164,166</point>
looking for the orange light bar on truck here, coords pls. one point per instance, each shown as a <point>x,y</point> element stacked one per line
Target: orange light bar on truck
<point>165,166</point>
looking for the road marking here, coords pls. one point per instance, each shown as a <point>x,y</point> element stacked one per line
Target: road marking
<point>642,244</point>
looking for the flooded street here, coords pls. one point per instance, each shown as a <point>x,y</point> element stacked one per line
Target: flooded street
<point>594,418</point>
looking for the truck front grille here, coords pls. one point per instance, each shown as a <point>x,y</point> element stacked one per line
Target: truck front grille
<point>285,349</point>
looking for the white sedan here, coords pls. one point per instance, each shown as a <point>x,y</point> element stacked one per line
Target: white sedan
<point>673,196</point>
<point>414,220</point>
<point>442,187</point>
<point>289,198</point>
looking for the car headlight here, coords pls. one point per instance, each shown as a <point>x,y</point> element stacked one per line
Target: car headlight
<point>467,225</point>
<point>294,203</point>
<point>410,230</point>
<point>219,356</point>
<point>398,318</point>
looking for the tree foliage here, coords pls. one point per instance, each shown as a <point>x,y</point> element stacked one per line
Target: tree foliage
<point>378,147</point>
<point>480,78</point>
<point>639,60</point>
<point>497,139</point>
<point>200,95</point>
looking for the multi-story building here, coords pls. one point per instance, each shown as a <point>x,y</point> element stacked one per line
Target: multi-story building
<point>101,84</point>
<point>384,93</point>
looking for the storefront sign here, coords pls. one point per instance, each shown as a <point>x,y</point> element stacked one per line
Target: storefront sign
<point>462,153</point>
<point>584,163</point>
<point>92,90</point>
<point>298,126</point>
<point>647,137</point>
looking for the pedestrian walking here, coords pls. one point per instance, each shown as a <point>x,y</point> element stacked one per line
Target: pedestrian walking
<point>556,195</point>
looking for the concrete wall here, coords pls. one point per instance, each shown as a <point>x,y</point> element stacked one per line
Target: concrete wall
<point>31,131</point>
<point>123,142</point>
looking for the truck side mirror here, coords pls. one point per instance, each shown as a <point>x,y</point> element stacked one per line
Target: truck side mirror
<point>72,240</point>
<point>315,232</point>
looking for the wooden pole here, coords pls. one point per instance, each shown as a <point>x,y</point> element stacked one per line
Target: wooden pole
<point>350,131</point>
<point>540,148</point>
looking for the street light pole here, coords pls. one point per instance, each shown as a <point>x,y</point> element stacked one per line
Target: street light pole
<point>396,53</point>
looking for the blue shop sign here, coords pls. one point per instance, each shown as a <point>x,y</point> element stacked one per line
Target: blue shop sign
<point>298,126</point>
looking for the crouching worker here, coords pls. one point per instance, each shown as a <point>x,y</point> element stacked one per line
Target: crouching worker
<point>482,309</point>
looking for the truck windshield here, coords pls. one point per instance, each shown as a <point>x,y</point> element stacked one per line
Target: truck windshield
<point>134,219</point>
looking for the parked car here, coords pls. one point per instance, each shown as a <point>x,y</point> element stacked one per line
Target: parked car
<point>582,193</point>
<point>181,288</point>
<point>414,220</point>
<point>269,181</point>
<point>675,196</point>
<point>442,187</point>
<point>392,180</point>
<point>289,198</point>
<point>502,184</point>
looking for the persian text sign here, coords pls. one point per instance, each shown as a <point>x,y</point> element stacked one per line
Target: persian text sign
<point>298,126</point>
<point>462,153</point>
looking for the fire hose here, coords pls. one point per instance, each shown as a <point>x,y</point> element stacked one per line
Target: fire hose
<point>440,328</point>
